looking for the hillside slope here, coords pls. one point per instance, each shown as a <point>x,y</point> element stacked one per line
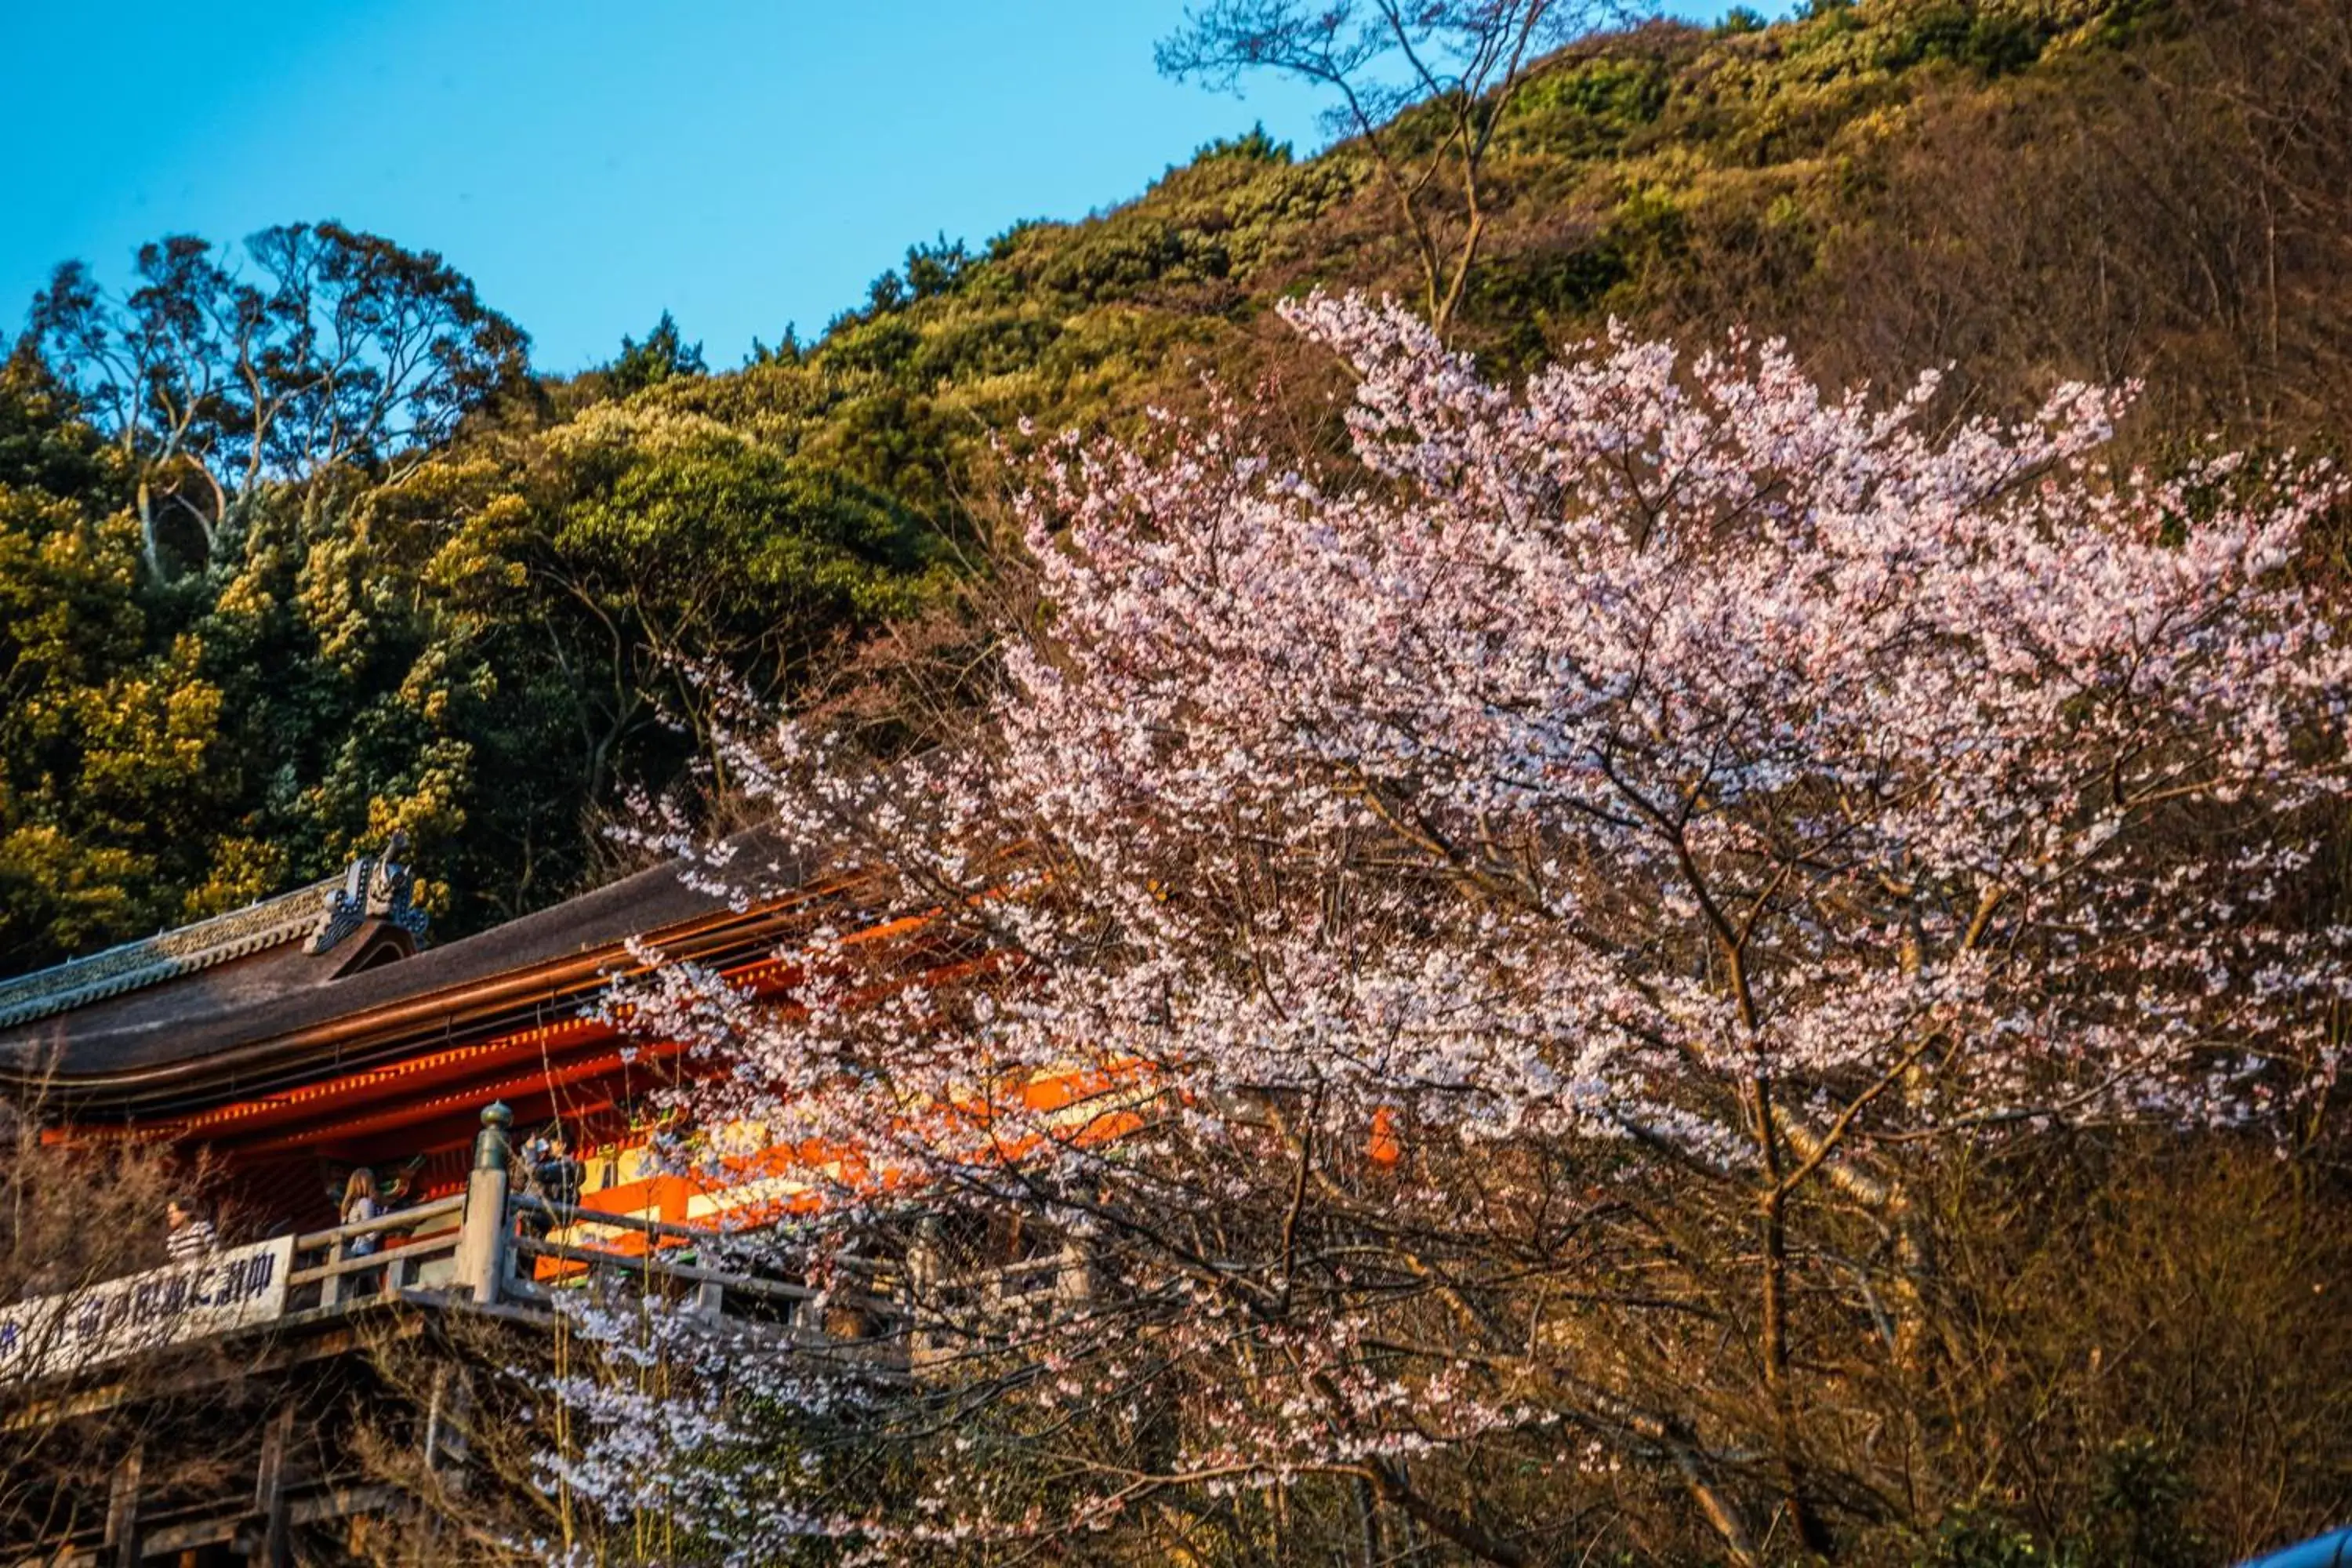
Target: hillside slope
<point>480,646</point>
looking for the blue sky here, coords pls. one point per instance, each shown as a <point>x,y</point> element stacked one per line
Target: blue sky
<point>742,164</point>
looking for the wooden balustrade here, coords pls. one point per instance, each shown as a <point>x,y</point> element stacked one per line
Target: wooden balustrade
<point>974,1313</point>
<point>491,1248</point>
<point>408,1244</point>
<point>674,1257</point>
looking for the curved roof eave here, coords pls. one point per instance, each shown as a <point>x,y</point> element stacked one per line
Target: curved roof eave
<point>200,1038</point>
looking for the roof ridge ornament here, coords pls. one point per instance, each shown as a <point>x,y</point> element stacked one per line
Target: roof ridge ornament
<point>375,887</point>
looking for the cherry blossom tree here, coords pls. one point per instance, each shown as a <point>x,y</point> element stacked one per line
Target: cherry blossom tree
<point>1455,972</point>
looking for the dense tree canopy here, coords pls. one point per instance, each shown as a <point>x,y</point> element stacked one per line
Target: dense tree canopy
<point>274,594</point>
<point>336,471</point>
<point>341,349</point>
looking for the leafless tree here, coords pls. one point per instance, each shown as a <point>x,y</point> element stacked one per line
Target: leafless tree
<point>1465,59</point>
<point>72,1218</point>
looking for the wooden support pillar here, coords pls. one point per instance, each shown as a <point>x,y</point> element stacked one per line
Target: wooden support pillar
<point>917,1286</point>
<point>331,1289</point>
<point>121,1546</point>
<point>482,1254</point>
<point>1074,1281</point>
<point>447,1418</point>
<point>269,1491</point>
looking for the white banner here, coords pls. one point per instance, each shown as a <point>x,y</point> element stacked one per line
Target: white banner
<point>226,1289</point>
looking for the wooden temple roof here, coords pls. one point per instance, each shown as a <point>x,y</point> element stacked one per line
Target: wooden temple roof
<point>288,1060</point>
<point>247,1018</point>
<point>308,1033</point>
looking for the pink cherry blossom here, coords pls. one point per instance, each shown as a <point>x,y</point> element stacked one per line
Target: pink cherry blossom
<point>1660,777</point>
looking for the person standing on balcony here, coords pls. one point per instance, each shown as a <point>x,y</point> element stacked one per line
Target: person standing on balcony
<point>191,1234</point>
<point>358,1208</point>
<point>552,1176</point>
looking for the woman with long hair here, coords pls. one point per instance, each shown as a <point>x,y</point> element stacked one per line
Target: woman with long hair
<point>360,1204</point>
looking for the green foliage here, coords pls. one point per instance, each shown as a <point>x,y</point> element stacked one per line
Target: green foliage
<point>1595,107</point>
<point>386,639</point>
<point>1129,254</point>
<point>663,355</point>
<point>935,268</point>
<point>1989,41</point>
<point>788,349</point>
<point>714,541</point>
<point>43,446</point>
<point>929,271</point>
<point>475,647</point>
<point>1977,1538</point>
<point>2136,1516</point>
<point>107,726</point>
<point>326,349</point>
<point>883,345</point>
<point>1252,146</point>
<point>2139,1510</point>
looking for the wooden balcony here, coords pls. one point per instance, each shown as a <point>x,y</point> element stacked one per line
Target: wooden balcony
<point>280,1308</point>
<point>276,1308</point>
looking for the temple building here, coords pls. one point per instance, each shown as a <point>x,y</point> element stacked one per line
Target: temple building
<point>317,1032</point>
<point>287,1044</point>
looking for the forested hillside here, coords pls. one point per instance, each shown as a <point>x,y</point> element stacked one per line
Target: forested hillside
<point>1524,936</point>
<point>272,585</point>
